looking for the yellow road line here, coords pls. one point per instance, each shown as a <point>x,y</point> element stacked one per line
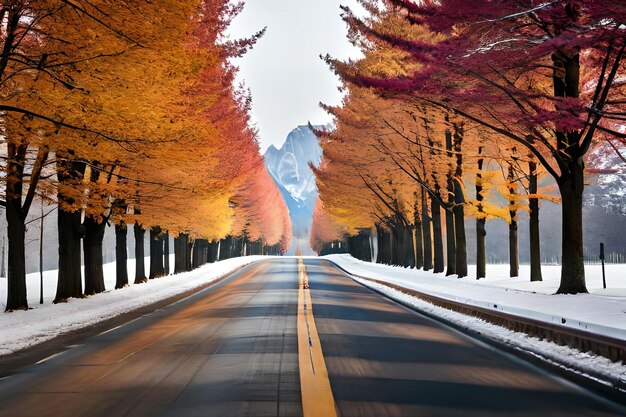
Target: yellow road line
<point>317,396</point>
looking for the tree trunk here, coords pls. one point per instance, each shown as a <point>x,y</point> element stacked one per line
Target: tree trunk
<point>409,249</point>
<point>183,247</point>
<point>571,183</point>
<point>450,241</point>
<point>396,245</point>
<point>450,232</point>
<point>513,243</point>
<point>41,222</point>
<point>221,255</point>
<point>179,255</point>
<point>166,253</point>
<point>213,247</point>
<point>16,230</point>
<point>402,245</point>
<point>256,248</point>
<point>359,246</point>
<point>533,205</point>
<point>513,249</point>
<point>427,241</point>
<point>459,203</point>
<point>231,247</point>
<point>481,231</point>
<point>573,268</point>
<point>459,231</point>
<point>156,253</point>
<point>384,248</point>
<point>16,212</point>
<point>16,280</point>
<point>419,245</point>
<point>199,253</point>
<point>205,253</point>
<point>481,253</point>
<point>140,266</point>
<point>235,247</point>
<point>121,256</point>
<point>388,245</point>
<point>353,248</point>
<point>225,251</point>
<point>92,249</point>
<point>70,232</point>
<point>195,255</point>
<point>379,255</point>
<point>190,245</point>
<point>435,212</point>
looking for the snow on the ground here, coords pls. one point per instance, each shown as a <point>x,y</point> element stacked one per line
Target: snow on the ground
<point>21,329</point>
<point>601,311</point>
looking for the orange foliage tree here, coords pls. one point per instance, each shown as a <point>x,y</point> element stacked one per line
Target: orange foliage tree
<point>135,106</point>
<point>436,151</point>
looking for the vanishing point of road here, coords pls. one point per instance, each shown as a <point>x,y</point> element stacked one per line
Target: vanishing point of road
<point>288,337</point>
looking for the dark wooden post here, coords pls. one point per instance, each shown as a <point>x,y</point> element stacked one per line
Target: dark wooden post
<point>602,259</point>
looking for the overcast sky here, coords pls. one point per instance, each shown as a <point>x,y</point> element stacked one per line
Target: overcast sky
<point>284,71</point>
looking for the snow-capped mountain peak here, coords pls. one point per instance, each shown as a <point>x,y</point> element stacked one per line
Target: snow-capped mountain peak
<point>289,166</point>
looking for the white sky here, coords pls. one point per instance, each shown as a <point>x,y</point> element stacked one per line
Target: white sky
<point>284,71</point>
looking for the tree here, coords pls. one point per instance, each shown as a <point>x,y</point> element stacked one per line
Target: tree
<point>262,210</point>
<point>55,70</point>
<point>18,201</point>
<point>128,96</point>
<point>519,72</point>
<point>323,229</point>
<point>354,165</point>
<point>130,108</point>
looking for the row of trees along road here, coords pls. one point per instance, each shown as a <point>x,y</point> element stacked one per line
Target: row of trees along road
<point>126,113</point>
<point>461,107</point>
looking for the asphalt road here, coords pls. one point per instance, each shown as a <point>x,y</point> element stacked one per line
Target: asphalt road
<point>232,350</point>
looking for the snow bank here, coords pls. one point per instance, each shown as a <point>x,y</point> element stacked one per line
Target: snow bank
<point>21,329</point>
<point>601,311</point>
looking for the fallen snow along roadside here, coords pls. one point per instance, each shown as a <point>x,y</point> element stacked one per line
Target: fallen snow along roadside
<point>594,366</point>
<point>21,329</point>
<point>600,312</point>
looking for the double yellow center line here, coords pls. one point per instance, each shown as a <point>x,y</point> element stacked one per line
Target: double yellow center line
<point>317,396</point>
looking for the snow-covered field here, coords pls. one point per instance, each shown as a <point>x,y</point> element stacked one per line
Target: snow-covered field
<point>22,329</point>
<point>601,311</point>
